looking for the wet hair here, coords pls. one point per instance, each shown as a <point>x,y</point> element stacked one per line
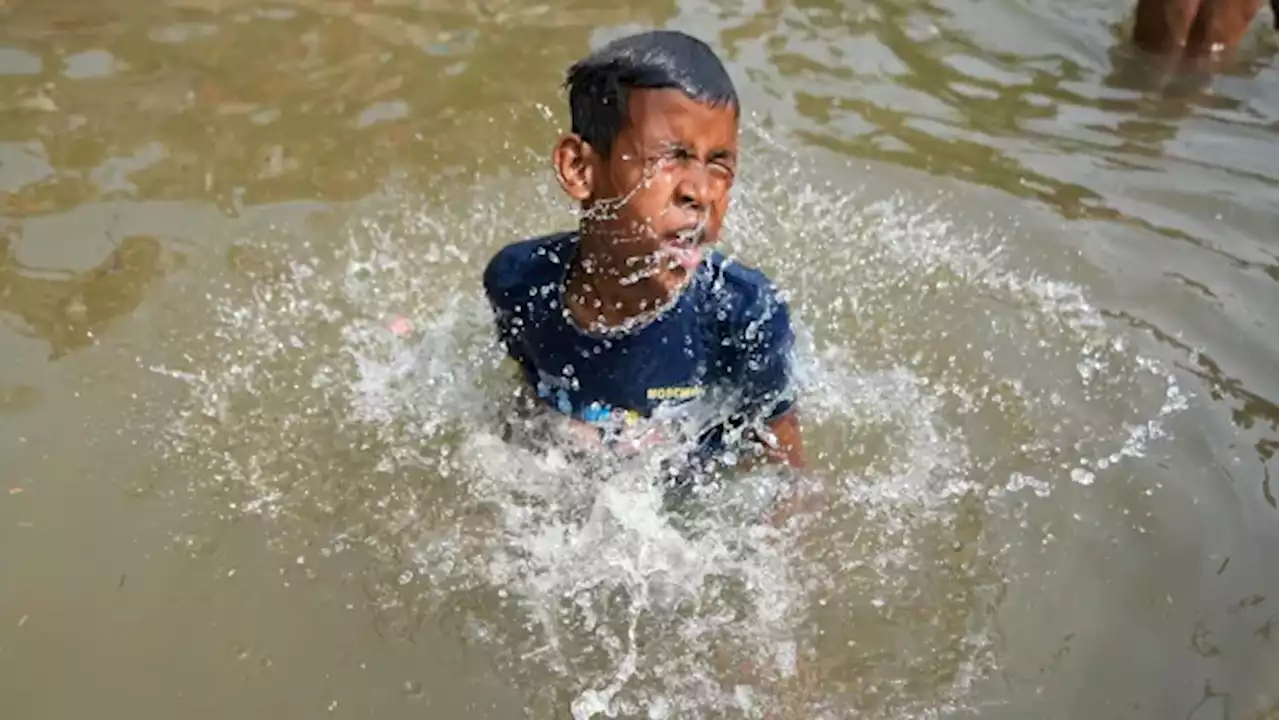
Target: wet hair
<point>656,60</point>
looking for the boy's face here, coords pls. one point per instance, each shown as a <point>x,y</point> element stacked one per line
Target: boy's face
<point>660,196</point>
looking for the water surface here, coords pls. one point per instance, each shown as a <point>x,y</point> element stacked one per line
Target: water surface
<point>1036,273</point>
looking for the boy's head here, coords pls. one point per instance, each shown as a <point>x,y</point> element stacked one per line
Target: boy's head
<point>652,153</point>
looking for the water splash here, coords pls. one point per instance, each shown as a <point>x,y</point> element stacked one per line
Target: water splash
<point>945,392</point>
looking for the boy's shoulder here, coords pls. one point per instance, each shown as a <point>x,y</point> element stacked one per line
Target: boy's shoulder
<point>747,294</point>
<point>533,263</point>
<point>741,295</point>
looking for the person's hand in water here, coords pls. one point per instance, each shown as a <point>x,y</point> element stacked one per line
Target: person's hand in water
<point>783,445</point>
<point>580,434</point>
<point>797,499</point>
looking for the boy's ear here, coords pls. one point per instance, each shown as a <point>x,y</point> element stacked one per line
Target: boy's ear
<point>574,160</point>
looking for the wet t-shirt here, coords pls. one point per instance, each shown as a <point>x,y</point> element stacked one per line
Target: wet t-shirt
<point>728,337</point>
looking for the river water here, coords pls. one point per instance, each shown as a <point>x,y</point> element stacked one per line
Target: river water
<point>1035,276</point>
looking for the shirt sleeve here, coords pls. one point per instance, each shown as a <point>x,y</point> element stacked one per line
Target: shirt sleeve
<point>506,316</point>
<point>766,362</point>
<point>509,326</point>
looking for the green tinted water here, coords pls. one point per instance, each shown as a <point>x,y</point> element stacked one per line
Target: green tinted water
<point>1021,251</point>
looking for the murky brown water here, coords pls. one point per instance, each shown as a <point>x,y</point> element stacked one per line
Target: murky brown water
<point>243,548</point>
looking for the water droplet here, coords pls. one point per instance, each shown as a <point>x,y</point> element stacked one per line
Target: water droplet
<point>1082,476</point>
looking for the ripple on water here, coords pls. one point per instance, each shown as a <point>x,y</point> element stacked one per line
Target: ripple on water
<point>945,392</point>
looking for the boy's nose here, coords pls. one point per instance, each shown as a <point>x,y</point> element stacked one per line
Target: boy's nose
<point>693,192</point>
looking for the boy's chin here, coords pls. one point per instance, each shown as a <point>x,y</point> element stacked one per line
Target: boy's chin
<point>665,280</point>
<point>675,278</point>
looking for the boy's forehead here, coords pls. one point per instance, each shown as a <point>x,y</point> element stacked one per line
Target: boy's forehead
<point>658,115</point>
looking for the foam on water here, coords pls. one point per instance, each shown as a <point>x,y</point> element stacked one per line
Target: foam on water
<point>945,392</point>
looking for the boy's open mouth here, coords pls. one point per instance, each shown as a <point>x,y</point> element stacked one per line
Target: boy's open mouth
<point>684,246</point>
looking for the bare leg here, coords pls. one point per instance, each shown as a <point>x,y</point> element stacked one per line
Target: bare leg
<point>1193,28</point>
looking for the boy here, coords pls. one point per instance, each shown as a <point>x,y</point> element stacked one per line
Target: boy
<point>632,322</point>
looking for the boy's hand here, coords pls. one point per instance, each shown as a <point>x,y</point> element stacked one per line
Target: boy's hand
<point>786,446</point>
<point>802,497</point>
<point>583,435</point>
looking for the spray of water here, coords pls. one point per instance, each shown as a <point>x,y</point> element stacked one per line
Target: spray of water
<point>945,393</point>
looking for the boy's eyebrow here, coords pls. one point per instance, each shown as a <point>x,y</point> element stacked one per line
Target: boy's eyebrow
<point>717,154</point>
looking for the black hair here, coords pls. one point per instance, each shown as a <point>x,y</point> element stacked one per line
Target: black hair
<point>657,60</point>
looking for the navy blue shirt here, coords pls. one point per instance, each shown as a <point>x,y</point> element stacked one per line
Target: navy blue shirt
<point>727,337</point>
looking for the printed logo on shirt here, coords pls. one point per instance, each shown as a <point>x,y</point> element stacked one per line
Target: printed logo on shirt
<point>674,393</point>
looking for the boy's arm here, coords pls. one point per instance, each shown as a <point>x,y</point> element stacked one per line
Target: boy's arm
<point>771,382</point>
<point>788,448</point>
<point>768,381</point>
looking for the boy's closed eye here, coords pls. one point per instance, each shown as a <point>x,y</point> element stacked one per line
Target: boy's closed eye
<point>721,161</point>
